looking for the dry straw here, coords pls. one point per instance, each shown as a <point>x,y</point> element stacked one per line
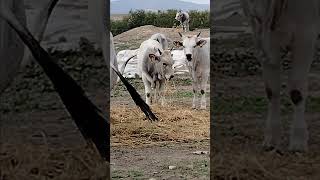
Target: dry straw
<point>39,162</point>
<point>177,123</point>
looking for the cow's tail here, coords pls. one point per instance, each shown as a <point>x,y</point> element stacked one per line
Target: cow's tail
<point>136,96</point>
<point>125,64</point>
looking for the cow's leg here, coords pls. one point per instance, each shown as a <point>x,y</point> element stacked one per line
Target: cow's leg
<point>161,92</point>
<point>271,75</point>
<point>203,87</point>
<point>147,89</point>
<point>183,27</point>
<point>195,87</point>
<point>303,52</point>
<point>155,92</point>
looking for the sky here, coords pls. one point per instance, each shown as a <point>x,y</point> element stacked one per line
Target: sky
<point>198,1</point>
<point>194,1</point>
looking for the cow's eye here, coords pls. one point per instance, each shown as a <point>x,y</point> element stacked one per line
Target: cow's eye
<point>164,64</point>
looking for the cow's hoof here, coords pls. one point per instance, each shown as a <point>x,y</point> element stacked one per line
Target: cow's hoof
<point>299,147</point>
<point>299,140</point>
<point>270,144</point>
<point>273,150</point>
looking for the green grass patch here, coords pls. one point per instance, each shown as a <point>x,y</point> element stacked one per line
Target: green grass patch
<point>183,94</point>
<point>183,82</point>
<point>135,174</point>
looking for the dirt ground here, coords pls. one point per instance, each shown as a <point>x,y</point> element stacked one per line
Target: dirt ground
<point>133,38</point>
<point>154,161</point>
<point>145,150</point>
<point>239,111</point>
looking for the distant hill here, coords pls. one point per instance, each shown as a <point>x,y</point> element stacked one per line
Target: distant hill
<point>124,6</point>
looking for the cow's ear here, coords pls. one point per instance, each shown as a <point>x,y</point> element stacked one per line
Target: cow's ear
<point>177,43</point>
<point>201,42</point>
<point>153,57</point>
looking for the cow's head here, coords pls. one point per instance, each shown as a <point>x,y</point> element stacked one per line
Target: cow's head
<point>163,64</point>
<point>167,63</point>
<point>189,44</point>
<point>154,56</point>
<point>178,16</point>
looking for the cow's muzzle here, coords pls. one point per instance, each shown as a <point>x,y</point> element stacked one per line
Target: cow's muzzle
<point>189,57</point>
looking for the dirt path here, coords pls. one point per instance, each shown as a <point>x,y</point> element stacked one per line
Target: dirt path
<point>154,161</point>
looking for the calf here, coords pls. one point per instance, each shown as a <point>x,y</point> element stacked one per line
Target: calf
<point>97,20</point>
<point>114,62</point>
<point>197,51</point>
<point>278,24</point>
<point>153,61</point>
<point>184,19</point>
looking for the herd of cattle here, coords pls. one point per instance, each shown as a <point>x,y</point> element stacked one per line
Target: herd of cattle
<point>275,24</point>
<point>155,64</point>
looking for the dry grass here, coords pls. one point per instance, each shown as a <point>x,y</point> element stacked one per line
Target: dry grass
<point>264,166</point>
<point>176,124</point>
<point>40,162</point>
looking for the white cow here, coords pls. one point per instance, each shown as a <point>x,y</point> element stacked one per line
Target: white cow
<point>197,52</point>
<point>114,61</point>
<point>277,24</point>
<point>184,19</point>
<point>98,15</point>
<point>97,20</point>
<point>149,55</point>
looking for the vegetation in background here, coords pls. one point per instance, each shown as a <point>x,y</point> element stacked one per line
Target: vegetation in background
<point>199,19</point>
